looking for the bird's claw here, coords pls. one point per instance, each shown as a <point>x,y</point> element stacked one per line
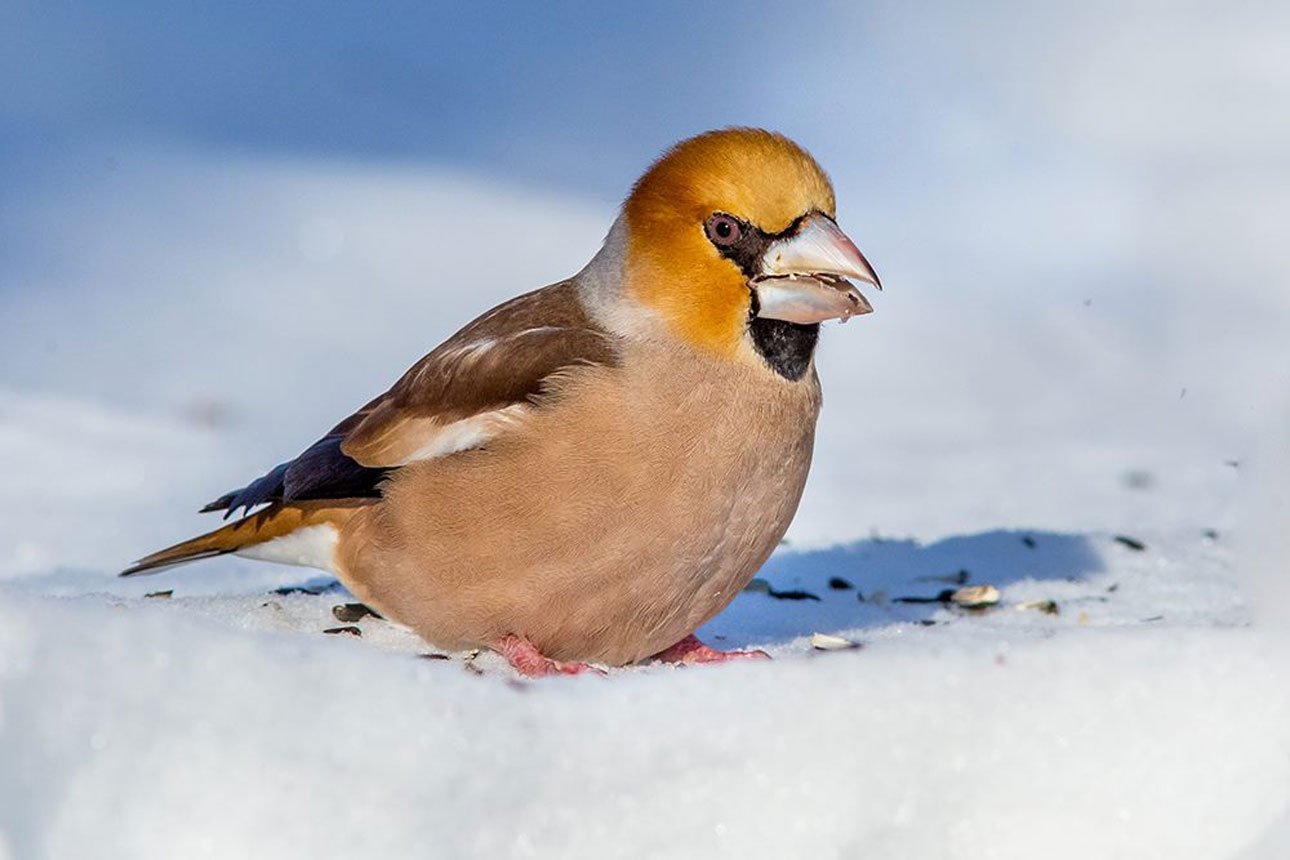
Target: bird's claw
<point>526,659</point>
<point>691,651</point>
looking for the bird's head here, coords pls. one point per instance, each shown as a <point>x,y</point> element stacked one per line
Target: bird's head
<point>730,239</point>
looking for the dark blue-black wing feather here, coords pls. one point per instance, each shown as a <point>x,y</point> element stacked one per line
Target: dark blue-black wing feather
<point>323,471</point>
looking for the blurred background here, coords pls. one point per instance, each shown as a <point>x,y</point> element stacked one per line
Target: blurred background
<point>224,226</point>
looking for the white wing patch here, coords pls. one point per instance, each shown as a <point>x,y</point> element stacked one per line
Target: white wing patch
<point>311,546</point>
<point>468,433</point>
<point>425,437</point>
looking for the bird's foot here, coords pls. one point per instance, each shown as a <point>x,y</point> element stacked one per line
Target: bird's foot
<point>690,651</point>
<point>526,659</point>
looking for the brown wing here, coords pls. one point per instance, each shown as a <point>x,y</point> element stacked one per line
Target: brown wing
<point>478,383</point>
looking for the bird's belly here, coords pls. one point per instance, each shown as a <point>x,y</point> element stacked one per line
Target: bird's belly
<point>599,544</point>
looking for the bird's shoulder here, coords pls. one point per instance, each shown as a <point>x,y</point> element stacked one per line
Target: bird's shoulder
<point>485,377</point>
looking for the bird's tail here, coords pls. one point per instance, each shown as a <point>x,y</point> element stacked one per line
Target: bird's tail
<point>302,533</point>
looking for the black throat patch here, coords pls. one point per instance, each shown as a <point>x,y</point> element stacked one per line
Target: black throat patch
<point>786,346</point>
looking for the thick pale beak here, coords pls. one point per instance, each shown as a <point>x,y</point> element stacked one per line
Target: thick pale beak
<point>804,276</point>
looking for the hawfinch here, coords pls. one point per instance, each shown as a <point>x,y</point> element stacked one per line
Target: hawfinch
<point>589,472</point>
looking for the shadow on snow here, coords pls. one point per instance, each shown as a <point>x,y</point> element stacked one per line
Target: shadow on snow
<point>862,584</point>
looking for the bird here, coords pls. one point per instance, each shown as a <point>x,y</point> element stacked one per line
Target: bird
<point>584,475</point>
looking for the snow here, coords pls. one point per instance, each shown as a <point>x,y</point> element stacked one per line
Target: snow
<point>186,738</point>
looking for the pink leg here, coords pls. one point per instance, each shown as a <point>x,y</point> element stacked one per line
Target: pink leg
<point>525,658</point>
<point>690,650</point>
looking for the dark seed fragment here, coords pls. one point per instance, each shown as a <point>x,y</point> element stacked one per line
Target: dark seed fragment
<point>161,595</point>
<point>837,583</point>
<point>350,629</point>
<point>351,612</point>
<point>943,597</point>
<point>1132,543</point>
<point>792,594</point>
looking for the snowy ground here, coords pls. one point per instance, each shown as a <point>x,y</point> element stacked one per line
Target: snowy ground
<point>1062,444</point>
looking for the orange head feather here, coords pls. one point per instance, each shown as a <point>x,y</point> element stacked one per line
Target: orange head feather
<point>757,176</point>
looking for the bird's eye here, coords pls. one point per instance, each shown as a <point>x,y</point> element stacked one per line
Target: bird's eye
<point>723,231</point>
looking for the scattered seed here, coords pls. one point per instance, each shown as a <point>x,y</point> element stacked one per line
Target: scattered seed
<point>430,655</point>
<point>1132,543</point>
<point>792,594</point>
<point>1153,618</point>
<point>1048,607</point>
<point>926,622</point>
<point>1029,541</point>
<point>161,595</point>
<point>351,612</point>
<point>943,597</point>
<point>1211,534</point>
<point>1113,587</point>
<point>968,597</point>
<point>975,596</point>
<point>829,642</point>
<point>837,583</point>
<point>349,629</point>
